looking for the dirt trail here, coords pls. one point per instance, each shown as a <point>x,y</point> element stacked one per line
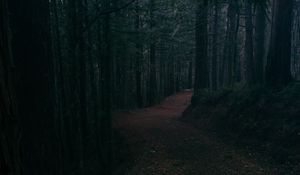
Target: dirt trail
<point>163,145</point>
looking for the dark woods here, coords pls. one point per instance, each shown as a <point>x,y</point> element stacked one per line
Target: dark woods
<point>66,65</point>
<point>246,77</point>
<point>248,43</point>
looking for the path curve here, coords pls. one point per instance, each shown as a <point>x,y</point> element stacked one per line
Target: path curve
<point>163,145</point>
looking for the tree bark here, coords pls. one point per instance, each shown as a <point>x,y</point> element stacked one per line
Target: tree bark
<point>9,120</point>
<point>202,75</point>
<point>32,53</point>
<point>138,59</point>
<point>215,46</point>
<point>107,74</point>
<point>153,80</point>
<point>278,71</point>
<point>249,44</point>
<point>260,26</point>
<point>229,70</point>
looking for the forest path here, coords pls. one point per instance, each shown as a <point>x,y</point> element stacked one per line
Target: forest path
<point>162,145</point>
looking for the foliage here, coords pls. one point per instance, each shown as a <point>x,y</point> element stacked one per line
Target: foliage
<point>260,118</point>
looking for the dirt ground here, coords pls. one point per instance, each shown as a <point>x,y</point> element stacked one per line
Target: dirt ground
<point>161,144</point>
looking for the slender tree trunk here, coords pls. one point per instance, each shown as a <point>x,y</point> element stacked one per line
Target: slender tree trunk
<point>100,101</point>
<point>229,66</point>
<point>71,88</point>
<point>215,46</point>
<point>59,85</point>
<point>260,26</point>
<point>83,106</point>
<point>9,121</point>
<point>106,122</point>
<point>153,80</point>
<point>278,71</point>
<point>249,44</point>
<point>138,59</point>
<point>202,77</point>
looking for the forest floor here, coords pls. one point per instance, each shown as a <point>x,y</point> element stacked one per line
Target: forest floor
<point>161,144</point>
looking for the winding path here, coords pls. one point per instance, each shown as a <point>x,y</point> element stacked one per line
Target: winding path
<point>162,145</point>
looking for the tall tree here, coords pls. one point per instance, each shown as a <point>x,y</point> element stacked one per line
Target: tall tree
<point>153,80</point>
<point>107,93</point>
<point>139,56</point>
<point>249,43</point>
<point>9,121</point>
<point>82,60</point>
<point>201,65</point>
<point>278,71</point>
<point>230,67</point>
<point>32,53</point>
<point>260,37</point>
<point>215,46</point>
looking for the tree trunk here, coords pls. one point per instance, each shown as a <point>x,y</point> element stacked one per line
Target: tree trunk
<point>215,46</point>
<point>260,26</point>
<point>153,81</point>
<point>82,59</point>
<point>106,122</point>
<point>249,44</point>
<point>230,63</point>
<point>9,120</point>
<point>32,53</point>
<point>202,75</point>
<point>138,59</point>
<point>278,71</point>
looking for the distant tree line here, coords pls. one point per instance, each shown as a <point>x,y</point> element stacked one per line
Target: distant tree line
<point>248,43</point>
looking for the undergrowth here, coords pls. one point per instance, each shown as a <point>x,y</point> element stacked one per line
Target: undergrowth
<point>264,119</point>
